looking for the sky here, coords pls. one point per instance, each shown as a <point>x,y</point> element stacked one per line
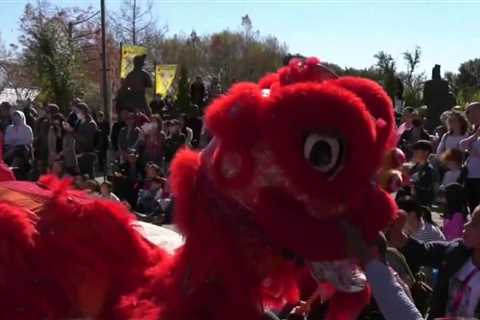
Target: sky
<point>347,33</point>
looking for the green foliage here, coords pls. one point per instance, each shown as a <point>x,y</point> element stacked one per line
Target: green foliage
<point>413,83</point>
<point>386,64</point>
<point>182,103</point>
<point>468,81</point>
<point>50,55</point>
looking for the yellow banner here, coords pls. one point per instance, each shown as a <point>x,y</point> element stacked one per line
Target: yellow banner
<point>164,76</point>
<point>128,53</point>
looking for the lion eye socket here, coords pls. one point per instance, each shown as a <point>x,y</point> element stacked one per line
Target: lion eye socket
<point>323,152</point>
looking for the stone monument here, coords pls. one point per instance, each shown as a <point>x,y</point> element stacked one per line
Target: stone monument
<point>131,95</point>
<point>437,97</point>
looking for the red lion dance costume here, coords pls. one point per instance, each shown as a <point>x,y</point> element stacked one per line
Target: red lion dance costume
<point>290,156</point>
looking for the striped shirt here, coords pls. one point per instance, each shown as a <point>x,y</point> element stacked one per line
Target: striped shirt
<point>428,232</point>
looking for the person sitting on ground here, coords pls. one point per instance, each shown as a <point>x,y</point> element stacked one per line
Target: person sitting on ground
<point>423,174</point>
<point>57,168</point>
<point>129,137</point>
<point>149,200</point>
<point>175,139</point>
<point>420,224</point>
<point>106,189</point>
<point>456,211</point>
<point>456,293</point>
<point>92,187</point>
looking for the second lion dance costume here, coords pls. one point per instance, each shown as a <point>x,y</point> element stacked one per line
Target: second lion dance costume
<point>290,156</point>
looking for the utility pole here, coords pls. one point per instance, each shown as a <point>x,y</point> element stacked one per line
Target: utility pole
<point>106,102</point>
<point>134,20</point>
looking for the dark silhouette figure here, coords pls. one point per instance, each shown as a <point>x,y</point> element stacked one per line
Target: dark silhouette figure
<point>437,97</point>
<point>131,95</point>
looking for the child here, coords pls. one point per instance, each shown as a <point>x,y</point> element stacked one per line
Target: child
<point>423,174</point>
<point>452,159</point>
<point>106,191</point>
<point>455,211</point>
<point>91,187</point>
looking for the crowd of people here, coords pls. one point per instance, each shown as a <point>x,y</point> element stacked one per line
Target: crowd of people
<point>132,154</point>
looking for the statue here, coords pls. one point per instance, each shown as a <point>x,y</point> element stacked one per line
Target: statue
<point>437,97</point>
<point>131,95</point>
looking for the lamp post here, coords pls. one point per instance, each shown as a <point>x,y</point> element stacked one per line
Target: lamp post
<point>106,102</point>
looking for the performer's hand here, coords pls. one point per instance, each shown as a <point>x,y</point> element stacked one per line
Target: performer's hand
<point>395,234</point>
<point>355,243</point>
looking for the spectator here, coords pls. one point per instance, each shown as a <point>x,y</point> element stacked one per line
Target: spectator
<point>92,187</point>
<point>390,293</point>
<point>452,159</point>
<point>85,140</point>
<point>102,140</point>
<point>411,136</point>
<point>57,168</point>
<point>185,130</point>
<point>407,118</point>
<point>128,179</point>
<point>457,289</point>
<point>69,152</point>
<point>472,145</point>
<point>175,139</point>
<point>116,128</point>
<point>106,189</point>
<point>423,175</point>
<point>157,104</point>
<point>457,127</point>
<point>79,181</point>
<point>55,138</point>
<point>151,171</point>
<point>129,137</point>
<point>5,116</point>
<point>148,200</point>
<point>31,114</point>
<point>18,139</point>
<point>154,141</point>
<point>440,130</point>
<point>72,118</point>
<point>197,92</point>
<point>42,128</point>
<point>419,221</point>
<point>455,211</point>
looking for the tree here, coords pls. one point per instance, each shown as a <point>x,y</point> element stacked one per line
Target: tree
<point>182,103</point>
<point>48,53</point>
<point>413,82</point>
<point>468,80</point>
<point>386,64</point>
<point>133,24</point>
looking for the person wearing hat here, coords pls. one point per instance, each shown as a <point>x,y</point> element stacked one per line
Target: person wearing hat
<point>423,174</point>
<point>472,146</point>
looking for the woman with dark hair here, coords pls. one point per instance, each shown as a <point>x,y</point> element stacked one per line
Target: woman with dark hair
<point>457,126</point>
<point>85,134</point>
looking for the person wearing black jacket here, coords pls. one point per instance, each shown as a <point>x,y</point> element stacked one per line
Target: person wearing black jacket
<point>457,289</point>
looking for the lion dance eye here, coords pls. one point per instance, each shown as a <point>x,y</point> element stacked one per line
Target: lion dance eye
<point>324,152</point>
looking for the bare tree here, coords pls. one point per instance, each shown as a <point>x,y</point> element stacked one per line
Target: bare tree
<point>134,22</point>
